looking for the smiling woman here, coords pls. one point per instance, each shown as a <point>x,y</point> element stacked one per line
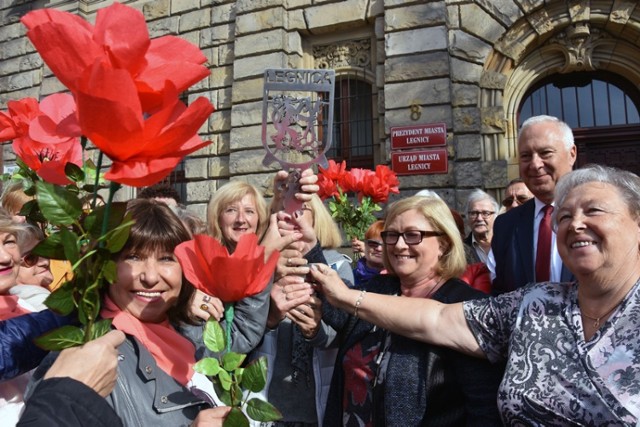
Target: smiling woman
<point>382,378</point>
<point>149,301</point>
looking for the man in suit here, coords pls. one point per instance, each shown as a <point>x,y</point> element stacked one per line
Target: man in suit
<point>546,152</point>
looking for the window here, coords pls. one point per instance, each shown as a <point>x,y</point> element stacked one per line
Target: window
<point>583,100</point>
<point>353,123</point>
<point>602,110</point>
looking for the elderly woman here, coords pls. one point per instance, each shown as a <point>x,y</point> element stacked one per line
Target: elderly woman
<point>572,349</point>
<point>382,378</point>
<point>34,270</point>
<point>14,301</point>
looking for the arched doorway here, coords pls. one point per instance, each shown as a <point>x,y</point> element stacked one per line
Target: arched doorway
<point>601,107</point>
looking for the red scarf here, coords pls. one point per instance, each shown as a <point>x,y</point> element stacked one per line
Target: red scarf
<point>9,307</point>
<point>173,353</point>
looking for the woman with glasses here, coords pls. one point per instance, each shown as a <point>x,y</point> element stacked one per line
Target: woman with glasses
<point>381,378</point>
<point>371,263</point>
<point>34,270</point>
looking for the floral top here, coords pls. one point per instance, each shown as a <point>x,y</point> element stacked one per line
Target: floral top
<point>554,376</point>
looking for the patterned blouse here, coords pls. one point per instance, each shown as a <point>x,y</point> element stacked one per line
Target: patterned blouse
<point>553,376</point>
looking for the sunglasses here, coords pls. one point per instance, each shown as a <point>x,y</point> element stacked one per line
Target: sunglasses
<point>518,199</point>
<point>374,244</point>
<point>30,259</point>
<point>412,237</point>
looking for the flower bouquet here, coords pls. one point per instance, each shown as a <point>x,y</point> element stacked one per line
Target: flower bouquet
<point>207,264</point>
<point>124,97</point>
<point>369,187</point>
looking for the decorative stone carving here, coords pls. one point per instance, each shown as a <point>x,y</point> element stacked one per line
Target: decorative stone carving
<point>576,43</point>
<point>344,54</point>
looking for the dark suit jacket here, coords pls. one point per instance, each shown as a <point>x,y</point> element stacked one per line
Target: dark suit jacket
<point>513,250</point>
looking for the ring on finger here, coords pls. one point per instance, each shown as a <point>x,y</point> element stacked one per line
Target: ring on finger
<point>206,298</point>
<point>204,307</point>
<point>289,261</point>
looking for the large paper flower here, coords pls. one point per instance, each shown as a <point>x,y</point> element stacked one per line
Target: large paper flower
<point>209,267</point>
<point>380,184</point>
<point>45,136</point>
<point>143,150</point>
<point>69,45</point>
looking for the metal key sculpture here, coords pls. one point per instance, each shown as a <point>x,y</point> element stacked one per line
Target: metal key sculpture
<point>297,107</point>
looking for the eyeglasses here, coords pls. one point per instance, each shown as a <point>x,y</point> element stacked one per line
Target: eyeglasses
<point>373,244</point>
<point>412,237</point>
<point>30,259</point>
<point>474,214</point>
<point>518,199</point>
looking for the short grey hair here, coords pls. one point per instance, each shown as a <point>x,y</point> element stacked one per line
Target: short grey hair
<point>566,134</point>
<point>478,195</point>
<point>627,183</point>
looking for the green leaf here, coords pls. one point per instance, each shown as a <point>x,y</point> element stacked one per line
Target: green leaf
<point>61,338</point>
<point>70,244</point>
<point>58,205</point>
<point>225,379</point>
<point>208,366</point>
<point>260,410</point>
<point>254,377</point>
<point>73,172</point>
<point>231,360</point>
<point>93,221</point>
<point>100,328</point>
<point>51,247</point>
<point>110,271</point>
<point>117,238</point>
<point>61,300</point>
<point>214,336</point>
<point>236,394</point>
<point>223,394</point>
<point>236,418</point>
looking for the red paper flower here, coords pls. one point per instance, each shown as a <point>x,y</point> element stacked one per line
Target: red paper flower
<point>378,185</point>
<point>45,136</point>
<point>209,267</point>
<point>370,188</point>
<point>69,45</point>
<point>143,151</point>
<point>15,122</point>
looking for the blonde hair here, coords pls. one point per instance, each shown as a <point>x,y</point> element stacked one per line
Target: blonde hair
<point>14,198</point>
<point>326,229</point>
<point>452,263</point>
<point>227,194</point>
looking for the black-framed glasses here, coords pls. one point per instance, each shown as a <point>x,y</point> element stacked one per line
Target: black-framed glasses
<point>519,199</point>
<point>411,237</point>
<point>374,244</point>
<point>475,214</point>
<point>30,259</point>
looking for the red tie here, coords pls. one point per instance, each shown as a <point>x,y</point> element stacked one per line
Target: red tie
<point>543,252</point>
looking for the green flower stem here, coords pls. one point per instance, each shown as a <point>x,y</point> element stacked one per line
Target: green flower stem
<point>228,319</point>
<point>97,180</point>
<point>113,187</point>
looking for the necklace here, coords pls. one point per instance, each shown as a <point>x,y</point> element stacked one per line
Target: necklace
<point>596,320</point>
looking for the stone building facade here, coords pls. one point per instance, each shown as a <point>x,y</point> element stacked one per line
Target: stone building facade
<point>467,63</point>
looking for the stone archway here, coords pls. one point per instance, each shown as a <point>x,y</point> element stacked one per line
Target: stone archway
<point>561,37</point>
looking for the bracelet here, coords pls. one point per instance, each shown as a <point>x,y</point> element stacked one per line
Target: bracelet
<point>358,302</point>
